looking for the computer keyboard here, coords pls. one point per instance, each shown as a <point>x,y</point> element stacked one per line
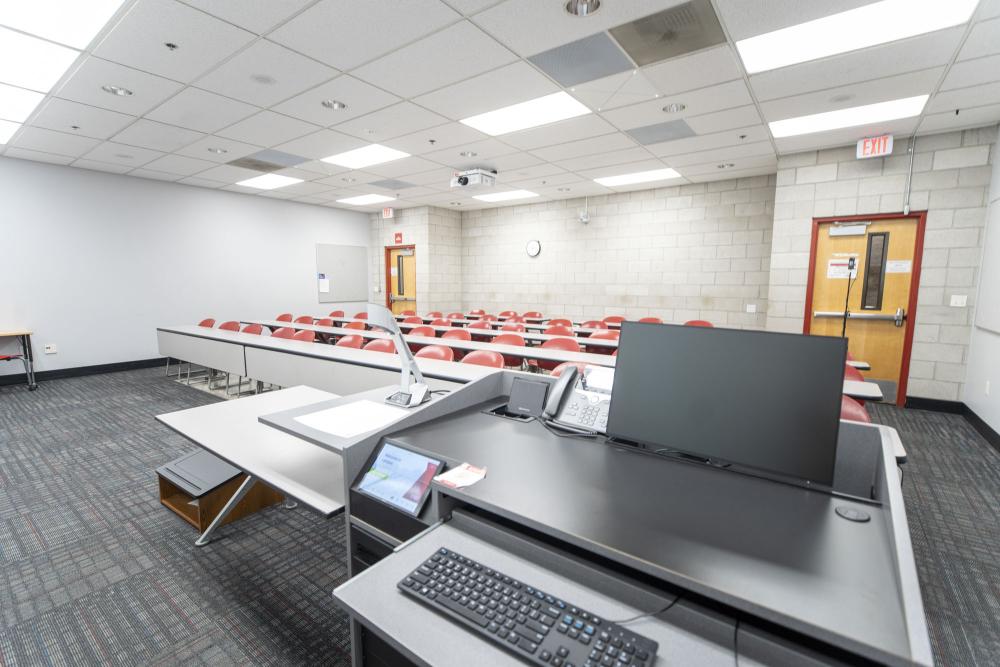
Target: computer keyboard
<point>535,626</point>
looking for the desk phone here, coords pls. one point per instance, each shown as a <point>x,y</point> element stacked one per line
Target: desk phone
<point>581,400</point>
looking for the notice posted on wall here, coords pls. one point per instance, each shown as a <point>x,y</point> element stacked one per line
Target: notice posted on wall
<point>323,282</point>
<point>839,268</point>
<point>899,266</point>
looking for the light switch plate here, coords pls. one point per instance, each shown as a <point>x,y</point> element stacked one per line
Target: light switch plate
<point>959,300</point>
<point>51,348</point>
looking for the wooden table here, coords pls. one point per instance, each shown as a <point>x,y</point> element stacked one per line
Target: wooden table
<point>26,356</point>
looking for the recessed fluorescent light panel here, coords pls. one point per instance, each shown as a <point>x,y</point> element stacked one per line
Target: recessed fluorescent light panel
<point>506,196</point>
<point>69,22</point>
<point>835,120</point>
<point>638,177</point>
<point>877,23</point>
<point>539,111</point>
<point>269,181</point>
<point>16,104</point>
<point>360,158</point>
<point>365,200</point>
<point>32,63</point>
<point>7,130</point>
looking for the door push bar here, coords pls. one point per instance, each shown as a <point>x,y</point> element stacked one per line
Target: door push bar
<point>896,318</point>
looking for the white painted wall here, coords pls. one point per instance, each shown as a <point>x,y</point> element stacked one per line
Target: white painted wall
<point>984,346</point>
<point>94,262</point>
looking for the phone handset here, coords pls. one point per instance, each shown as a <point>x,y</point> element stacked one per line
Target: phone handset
<point>557,393</point>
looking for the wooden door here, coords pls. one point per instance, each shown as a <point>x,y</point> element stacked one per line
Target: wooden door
<point>401,277</point>
<point>878,295</point>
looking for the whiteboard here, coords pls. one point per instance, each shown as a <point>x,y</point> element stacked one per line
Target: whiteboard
<point>346,269</point>
<point>988,301</point>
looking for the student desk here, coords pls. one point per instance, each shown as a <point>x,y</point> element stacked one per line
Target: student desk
<point>26,356</point>
<point>865,391</point>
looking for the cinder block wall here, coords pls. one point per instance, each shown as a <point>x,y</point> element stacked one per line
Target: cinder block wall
<point>951,177</point>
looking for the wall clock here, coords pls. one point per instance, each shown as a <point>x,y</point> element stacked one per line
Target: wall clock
<point>533,248</point>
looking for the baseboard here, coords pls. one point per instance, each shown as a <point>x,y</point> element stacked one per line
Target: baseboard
<point>78,371</point>
<point>984,429</point>
<point>936,405</point>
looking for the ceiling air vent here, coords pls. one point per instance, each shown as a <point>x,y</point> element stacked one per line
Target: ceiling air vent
<point>673,32</point>
<point>268,161</point>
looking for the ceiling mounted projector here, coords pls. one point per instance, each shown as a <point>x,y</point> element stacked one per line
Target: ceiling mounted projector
<point>474,179</point>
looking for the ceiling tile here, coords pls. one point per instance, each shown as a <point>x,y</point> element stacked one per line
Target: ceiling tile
<point>179,164</point>
<point>485,149</point>
<point>724,120</point>
<point>542,170</point>
<point>746,18</point>
<point>50,141</point>
<point>572,149</point>
<point>395,121</point>
<point>85,86</point>
<point>160,137</point>
<point>153,174</point>
<point>397,168</point>
<point>62,115</point>
<point>984,40</point>
<point>696,70</point>
<point>710,141</point>
<point>581,127</point>
<point>845,137</point>
<point>908,55</point>
<point>130,156</point>
<point>432,63</point>
<point>201,110</point>
<point>726,154</point>
<point>201,182</point>
<point>975,117</point>
<point>607,159</point>
<point>267,129</point>
<point>233,149</point>
<point>258,17</point>
<point>228,174</point>
<point>36,156</point>
<point>139,39</point>
<point>265,74</point>
<point>697,102</point>
<point>510,162</point>
<point>360,98</point>
<point>622,168</point>
<point>470,7</point>
<point>95,165</point>
<point>517,82</point>
<point>594,57</point>
<point>962,98</point>
<point>321,144</point>
<point>442,136</point>
<point>347,33</point>
<point>972,73</point>
<point>439,178</point>
<point>529,26</point>
<point>853,95</point>
<point>614,91</point>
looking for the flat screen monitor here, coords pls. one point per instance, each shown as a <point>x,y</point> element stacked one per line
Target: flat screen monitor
<point>400,478</point>
<point>760,400</point>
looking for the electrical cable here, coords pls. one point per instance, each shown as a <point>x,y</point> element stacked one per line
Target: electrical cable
<point>649,614</point>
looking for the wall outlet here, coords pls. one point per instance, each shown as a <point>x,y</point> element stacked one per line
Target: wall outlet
<point>751,307</point>
<point>51,348</point>
<point>959,300</point>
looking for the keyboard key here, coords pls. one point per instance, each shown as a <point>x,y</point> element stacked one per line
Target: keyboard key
<point>462,611</point>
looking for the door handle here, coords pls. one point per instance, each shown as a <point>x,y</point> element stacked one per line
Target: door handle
<point>896,318</point>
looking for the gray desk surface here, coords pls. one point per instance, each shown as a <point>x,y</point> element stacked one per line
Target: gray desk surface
<point>860,365</point>
<point>866,391</point>
<point>786,556</point>
<point>230,430</point>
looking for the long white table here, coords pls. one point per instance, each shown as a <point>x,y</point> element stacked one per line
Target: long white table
<point>231,430</point>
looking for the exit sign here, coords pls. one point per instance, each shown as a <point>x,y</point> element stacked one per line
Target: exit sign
<point>397,238</point>
<point>387,213</point>
<point>875,146</point>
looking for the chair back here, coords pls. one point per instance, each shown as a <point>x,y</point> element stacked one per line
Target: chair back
<point>457,334</point>
<point>699,323</point>
<point>324,322</point>
<point>360,326</point>
<point>306,336</point>
<point>440,322</point>
<point>336,313</point>
<point>361,316</point>
<point>413,319</point>
<point>439,352</point>
<point>613,319</point>
<point>455,316</point>
<point>593,324</point>
<point>558,330</point>
<point>283,332</point>
<point>304,319</point>
<point>435,313</point>
<point>425,331</point>
<point>852,373</point>
<point>852,410</point>
<point>284,317</point>
<point>489,318</point>
<point>351,341</point>
<point>519,328</point>
<point>406,313</point>
<point>651,320</point>
<point>381,345</point>
<point>253,329</point>
<point>510,339</point>
<point>508,313</point>
<point>484,358</point>
<point>531,313</point>
<point>560,321</point>
<point>230,326</point>
<point>208,322</point>
<point>558,370</point>
<point>603,334</point>
<point>477,311</point>
<point>567,344</point>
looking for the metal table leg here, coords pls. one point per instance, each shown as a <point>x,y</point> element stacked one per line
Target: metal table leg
<point>29,361</point>
<point>206,537</point>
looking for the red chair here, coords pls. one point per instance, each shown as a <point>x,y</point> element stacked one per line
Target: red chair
<point>613,319</point>
<point>381,345</point>
<point>255,329</point>
<point>324,322</point>
<point>283,332</point>
<point>604,334</point>
<point>699,323</point>
<point>351,341</point>
<point>567,344</point>
<point>457,334</point>
<point>360,326</point>
<point>593,324</point>
<point>435,313</point>
<point>477,311</point>
<point>516,319</point>
<point>651,320</point>
<point>484,358</point>
<point>361,316</point>
<point>519,328</point>
<point>558,330</point>
<point>489,318</point>
<point>511,339</point>
<point>852,373</point>
<point>531,314</point>
<point>439,352</point>
<point>850,357</point>
<point>456,316</point>
<point>560,321</point>
<point>854,411</point>
<point>558,370</point>
<point>423,331</point>
<point>306,336</point>
<point>504,314</point>
<point>284,317</point>
<point>230,326</point>
<point>407,313</point>
<point>304,319</point>
<point>208,322</point>
<point>481,324</point>
<point>440,322</point>
<point>336,313</point>
<point>413,319</point>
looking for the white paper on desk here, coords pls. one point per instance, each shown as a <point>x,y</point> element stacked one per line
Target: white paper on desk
<point>461,476</point>
<point>351,419</point>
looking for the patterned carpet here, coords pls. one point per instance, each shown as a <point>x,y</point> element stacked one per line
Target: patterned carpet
<point>93,570</point>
